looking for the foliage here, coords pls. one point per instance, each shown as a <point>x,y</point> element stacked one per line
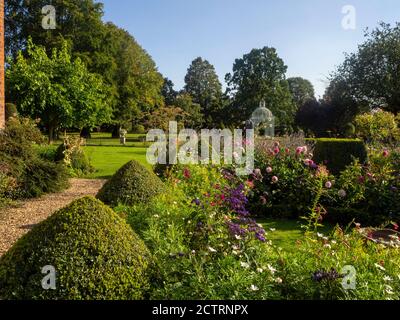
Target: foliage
<point>336,154</point>
<point>301,89</point>
<point>132,184</point>
<point>368,192</point>
<point>95,254</point>
<point>161,117</point>
<point>285,181</point>
<point>316,268</point>
<point>24,172</point>
<point>377,127</point>
<point>202,84</point>
<point>194,238</point>
<point>168,92</point>
<point>11,110</point>
<point>194,118</point>
<point>370,75</point>
<point>260,75</point>
<point>58,90</point>
<point>72,155</point>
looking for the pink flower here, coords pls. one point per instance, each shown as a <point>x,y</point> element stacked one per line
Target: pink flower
<point>250,184</point>
<point>328,184</point>
<point>309,162</point>
<point>277,150</point>
<point>299,150</point>
<point>269,170</point>
<point>275,179</point>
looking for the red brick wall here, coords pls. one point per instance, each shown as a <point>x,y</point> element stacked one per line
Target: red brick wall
<point>2,98</point>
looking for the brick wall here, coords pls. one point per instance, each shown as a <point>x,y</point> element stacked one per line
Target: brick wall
<point>2,98</point>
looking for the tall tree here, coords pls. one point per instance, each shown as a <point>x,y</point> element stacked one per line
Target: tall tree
<point>77,21</point>
<point>202,83</point>
<point>168,92</point>
<point>128,70</point>
<point>57,89</point>
<point>260,75</point>
<point>301,89</point>
<point>370,77</point>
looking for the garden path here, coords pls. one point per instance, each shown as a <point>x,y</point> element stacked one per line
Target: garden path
<point>16,221</point>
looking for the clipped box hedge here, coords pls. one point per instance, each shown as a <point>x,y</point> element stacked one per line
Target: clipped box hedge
<point>336,154</point>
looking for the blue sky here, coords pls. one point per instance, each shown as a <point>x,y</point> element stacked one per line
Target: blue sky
<point>308,34</point>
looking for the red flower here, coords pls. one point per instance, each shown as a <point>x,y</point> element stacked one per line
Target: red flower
<point>250,184</point>
<point>186,173</point>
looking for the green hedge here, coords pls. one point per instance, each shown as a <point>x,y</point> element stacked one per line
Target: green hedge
<point>96,256</point>
<point>132,184</point>
<point>336,154</point>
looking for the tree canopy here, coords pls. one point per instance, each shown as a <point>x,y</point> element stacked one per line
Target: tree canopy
<point>260,75</point>
<point>57,89</point>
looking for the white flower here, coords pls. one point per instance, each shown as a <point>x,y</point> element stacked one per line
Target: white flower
<point>387,278</point>
<point>260,270</point>
<point>271,269</point>
<point>193,251</point>
<point>235,252</point>
<point>212,249</point>
<point>320,235</point>
<point>156,216</point>
<point>327,245</point>
<point>379,267</point>
<point>272,229</point>
<point>278,280</point>
<point>253,288</point>
<point>334,242</point>
<point>342,193</point>
<point>244,265</point>
<point>238,237</point>
<point>235,247</point>
<point>388,289</point>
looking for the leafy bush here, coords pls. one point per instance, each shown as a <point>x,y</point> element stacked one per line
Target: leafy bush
<point>28,174</point>
<point>11,111</point>
<point>368,193</point>
<point>132,184</point>
<point>319,265</point>
<point>336,154</point>
<point>95,255</point>
<point>41,176</point>
<point>377,127</point>
<point>73,156</point>
<point>284,182</point>
<point>138,129</point>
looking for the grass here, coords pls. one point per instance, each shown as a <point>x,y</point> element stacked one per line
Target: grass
<point>107,155</point>
<point>287,232</point>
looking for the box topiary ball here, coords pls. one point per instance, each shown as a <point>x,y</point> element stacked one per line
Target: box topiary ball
<point>132,184</point>
<point>95,255</point>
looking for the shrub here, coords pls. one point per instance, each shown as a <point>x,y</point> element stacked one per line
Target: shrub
<point>41,176</point>
<point>94,252</point>
<point>30,175</point>
<point>73,156</point>
<point>11,111</point>
<point>377,127</point>
<point>336,154</point>
<point>132,184</point>
<point>139,129</point>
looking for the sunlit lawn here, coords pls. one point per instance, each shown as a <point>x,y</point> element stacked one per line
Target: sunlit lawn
<point>286,232</point>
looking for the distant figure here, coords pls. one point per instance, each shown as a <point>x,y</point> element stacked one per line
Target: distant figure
<point>122,136</point>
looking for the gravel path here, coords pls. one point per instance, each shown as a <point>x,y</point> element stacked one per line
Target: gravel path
<point>15,222</point>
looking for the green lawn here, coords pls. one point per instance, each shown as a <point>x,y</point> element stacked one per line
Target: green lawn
<point>287,232</point>
<point>107,160</point>
<point>107,155</point>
